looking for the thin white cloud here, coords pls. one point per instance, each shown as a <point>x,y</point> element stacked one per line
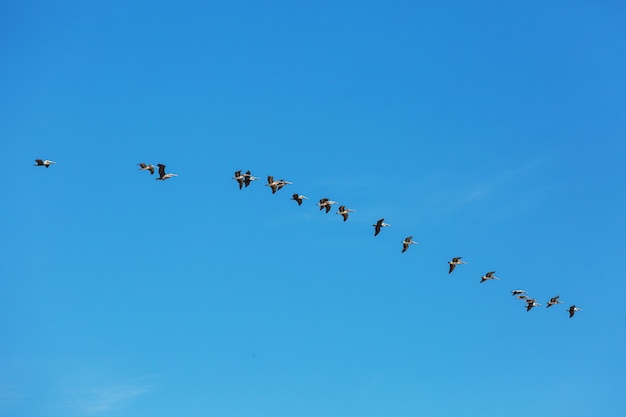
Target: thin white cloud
<point>497,181</point>
<point>100,399</point>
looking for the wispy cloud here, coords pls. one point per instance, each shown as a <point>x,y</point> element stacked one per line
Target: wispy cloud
<point>496,182</point>
<point>100,399</point>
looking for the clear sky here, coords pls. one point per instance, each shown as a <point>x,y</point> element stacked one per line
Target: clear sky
<point>489,130</point>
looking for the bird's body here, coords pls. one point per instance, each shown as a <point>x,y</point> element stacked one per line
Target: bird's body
<point>162,175</point>
<point>379,225</point>
<point>276,185</point>
<point>344,212</point>
<point>488,276</point>
<point>248,178</point>
<point>240,178</point>
<point>43,163</point>
<point>454,262</point>
<point>572,310</point>
<point>407,242</point>
<point>325,203</point>
<point>553,301</point>
<point>298,198</point>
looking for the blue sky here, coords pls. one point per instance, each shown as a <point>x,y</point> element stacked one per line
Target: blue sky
<point>485,130</point>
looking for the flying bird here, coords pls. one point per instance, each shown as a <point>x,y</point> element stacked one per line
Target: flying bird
<point>239,178</point>
<point>407,242</point>
<point>298,198</point>
<point>162,175</point>
<point>276,185</point>
<point>572,310</point>
<point>521,297</point>
<point>553,301</point>
<point>379,225</point>
<point>344,212</point>
<point>326,204</point>
<point>518,292</point>
<point>530,303</point>
<point>488,276</point>
<point>248,178</point>
<point>454,262</point>
<point>146,167</point>
<point>43,163</point>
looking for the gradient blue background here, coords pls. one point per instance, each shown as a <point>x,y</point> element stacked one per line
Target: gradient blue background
<point>489,130</point>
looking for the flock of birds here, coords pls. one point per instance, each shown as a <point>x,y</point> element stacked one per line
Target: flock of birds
<point>245,179</point>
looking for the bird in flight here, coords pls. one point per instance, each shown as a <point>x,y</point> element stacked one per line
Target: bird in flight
<point>379,225</point>
<point>298,198</point>
<point>146,167</point>
<point>326,204</point>
<point>530,303</point>
<point>276,185</point>
<point>344,212</point>
<point>518,292</point>
<point>407,242</point>
<point>572,310</point>
<point>553,301</point>
<point>43,163</point>
<point>488,276</point>
<point>454,262</point>
<point>162,175</point>
<point>240,178</point>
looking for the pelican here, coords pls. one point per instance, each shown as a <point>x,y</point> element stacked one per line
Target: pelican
<point>454,262</point>
<point>518,292</point>
<point>162,175</point>
<point>572,310</point>
<point>521,297</point>
<point>248,178</point>
<point>239,178</point>
<point>298,198</point>
<point>553,301</point>
<point>43,163</point>
<point>146,167</point>
<point>344,212</point>
<point>326,204</point>
<point>379,225</point>
<point>530,303</point>
<point>407,242</point>
<point>488,276</point>
<point>276,185</point>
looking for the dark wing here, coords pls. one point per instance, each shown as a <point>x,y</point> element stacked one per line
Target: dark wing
<point>452,266</point>
<point>405,246</point>
<point>345,216</point>
<point>270,179</point>
<point>39,161</point>
<point>328,206</point>
<point>161,170</point>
